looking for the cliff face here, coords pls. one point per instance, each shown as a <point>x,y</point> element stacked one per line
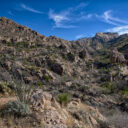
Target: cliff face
<point>101,37</point>
<point>105,37</point>
<point>99,40</point>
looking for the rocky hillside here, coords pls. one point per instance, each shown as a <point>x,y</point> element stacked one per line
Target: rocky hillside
<point>65,81</point>
<point>12,32</point>
<point>99,40</point>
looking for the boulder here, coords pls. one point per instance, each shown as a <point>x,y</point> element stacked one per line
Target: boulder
<point>117,57</point>
<point>124,105</point>
<point>83,54</point>
<point>7,65</point>
<point>57,68</point>
<point>71,57</point>
<point>38,99</point>
<point>75,114</point>
<point>43,102</point>
<point>28,79</point>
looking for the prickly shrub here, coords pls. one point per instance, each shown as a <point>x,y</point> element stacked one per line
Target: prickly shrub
<point>16,108</point>
<point>63,99</point>
<point>6,87</point>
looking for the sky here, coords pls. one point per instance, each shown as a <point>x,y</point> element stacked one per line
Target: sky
<point>68,19</point>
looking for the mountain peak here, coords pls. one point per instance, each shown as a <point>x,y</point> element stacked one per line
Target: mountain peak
<point>107,35</point>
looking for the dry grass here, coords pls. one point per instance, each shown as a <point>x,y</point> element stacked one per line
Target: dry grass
<point>4,101</point>
<point>70,122</point>
<point>26,122</point>
<point>9,121</point>
<point>119,120</point>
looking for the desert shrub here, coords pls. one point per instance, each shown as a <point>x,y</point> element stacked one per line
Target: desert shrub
<point>119,120</point>
<point>83,88</point>
<point>119,86</point>
<point>70,57</point>
<point>47,78</point>
<point>6,87</point>
<point>82,54</point>
<point>40,84</point>
<point>26,62</point>
<point>109,87</point>
<point>124,91</point>
<point>63,99</point>
<point>106,84</point>
<point>22,45</point>
<point>16,108</point>
<point>106,70</point>
<point>23,92</point>
<point>56,49</point>
<point>32,68</point>
<point>103,124</point>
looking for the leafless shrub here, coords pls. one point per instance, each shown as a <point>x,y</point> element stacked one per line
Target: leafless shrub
<point>118,120</point>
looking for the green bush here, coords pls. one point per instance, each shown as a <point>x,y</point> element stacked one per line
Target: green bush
<point>6,87</point>
<point>107,70</point>
<point>63,99</point>
<point>40,84</point>
<point>22,45</point>
<point>47,78</point>
<point>109,87</point>
<point>32,68</point>
<point>70,57</point>
<point>124,91</point>
<point>16,108</point>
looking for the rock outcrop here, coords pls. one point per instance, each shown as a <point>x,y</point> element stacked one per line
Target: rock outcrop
<point>98,41</point>
<point>83,54</point>
<point>117,57</point>
<point>105,37</point>
<point>75,114</point>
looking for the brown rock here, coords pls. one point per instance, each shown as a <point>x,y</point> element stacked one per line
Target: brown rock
<point>83,54</point>
<point>117,57</point>
<point>57,68</point>
<point>7,65</point>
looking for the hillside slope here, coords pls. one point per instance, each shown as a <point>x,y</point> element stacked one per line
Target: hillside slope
<point>93,76</point>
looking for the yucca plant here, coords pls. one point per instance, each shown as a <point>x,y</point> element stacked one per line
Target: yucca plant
<point>63,99</point>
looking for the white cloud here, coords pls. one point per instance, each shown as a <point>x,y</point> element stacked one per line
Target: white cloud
<point>30,9</point>
<point>80,36</point>
<point>108,18</point>
<point>85,17</point>
<point>65,18</point>
<point>121,25</point>
<point>121,29</point>
<point>81,5</point>
<point>60,19</point>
